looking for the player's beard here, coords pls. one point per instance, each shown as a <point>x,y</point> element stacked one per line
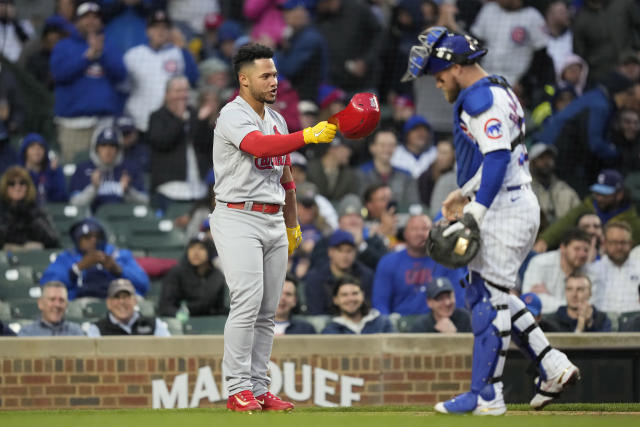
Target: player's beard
<point>451,94</point>
<point>265,97</point>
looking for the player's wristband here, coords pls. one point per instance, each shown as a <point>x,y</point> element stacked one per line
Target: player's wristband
<point>291,185</point>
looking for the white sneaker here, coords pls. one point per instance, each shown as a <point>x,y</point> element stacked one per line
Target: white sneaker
<point>552,387</point>
<point>495,406</point>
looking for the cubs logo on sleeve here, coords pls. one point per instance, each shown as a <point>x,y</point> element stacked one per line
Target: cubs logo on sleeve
<point>493,128</point>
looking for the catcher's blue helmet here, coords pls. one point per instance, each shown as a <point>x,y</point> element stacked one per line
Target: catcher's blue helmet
<point>439,49</point>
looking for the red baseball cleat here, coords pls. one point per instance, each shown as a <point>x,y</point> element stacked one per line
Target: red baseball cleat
<point>271,402</point>
<point>243,401</point>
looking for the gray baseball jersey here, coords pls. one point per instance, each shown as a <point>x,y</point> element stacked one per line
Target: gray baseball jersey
<point>252,246</point>
<point>240,176</point>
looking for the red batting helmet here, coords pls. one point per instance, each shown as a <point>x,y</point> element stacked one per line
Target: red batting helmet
<point>360,117</point>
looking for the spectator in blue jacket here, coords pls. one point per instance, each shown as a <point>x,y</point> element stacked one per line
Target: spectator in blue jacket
<point>125,21</point>
<point>303,55</point>
<point>587,123</point>
<point>89,267</point>
<point>86,69</point>
<point>106,178</point>
<point>288,304</point>
<point>135,150</point>
<point>354,314</point>
<point>48,178</point>
<point>321,279</point>
<point>401,278</point>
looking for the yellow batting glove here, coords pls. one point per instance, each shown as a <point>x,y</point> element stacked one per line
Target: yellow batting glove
<point>323,133</point>
<point>294,235</point>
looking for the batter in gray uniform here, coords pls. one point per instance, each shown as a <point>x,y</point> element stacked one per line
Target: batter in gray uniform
<point>254,224</point>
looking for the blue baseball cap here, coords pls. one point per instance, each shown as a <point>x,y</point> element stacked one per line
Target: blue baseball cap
<point>438,286</point>
<point>609,181</point>
<point>108,136</point>
<point>125,124</point>
<point>533,303</point>
<point>415,121</point>
<point>292,4</point>
<point>341,236</point>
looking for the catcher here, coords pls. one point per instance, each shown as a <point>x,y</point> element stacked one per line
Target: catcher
<point>495,218</point>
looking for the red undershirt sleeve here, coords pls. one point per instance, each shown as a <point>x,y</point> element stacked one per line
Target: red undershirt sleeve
<point>259,145</point>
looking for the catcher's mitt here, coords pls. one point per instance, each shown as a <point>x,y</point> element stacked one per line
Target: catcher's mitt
<point>458,248</point>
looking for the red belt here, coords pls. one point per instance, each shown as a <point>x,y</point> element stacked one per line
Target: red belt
<point>268,208</point>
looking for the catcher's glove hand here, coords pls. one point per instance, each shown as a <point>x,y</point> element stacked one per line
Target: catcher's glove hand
<point>458,246</point>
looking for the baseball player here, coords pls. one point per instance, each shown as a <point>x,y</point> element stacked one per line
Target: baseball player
<point>494,188</point>
<point>254,223</point>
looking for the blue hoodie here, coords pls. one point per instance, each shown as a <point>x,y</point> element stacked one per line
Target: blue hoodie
<point>94,281</point>
<point>50,183</point>
<point>86,87</point>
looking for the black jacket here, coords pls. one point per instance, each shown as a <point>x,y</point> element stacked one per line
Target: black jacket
<point>299,326</point>
<point>168,136</point>
<point>26,222</point>
<point>561,322</point>
<point>426,323</point>
<point>204,295</point>
<point>142,326</point>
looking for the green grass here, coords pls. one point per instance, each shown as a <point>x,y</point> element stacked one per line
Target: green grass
<point>561,415</point>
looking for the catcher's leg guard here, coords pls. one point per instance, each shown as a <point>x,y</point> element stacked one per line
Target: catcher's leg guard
<point>553,369</point>
<point>490,322</point>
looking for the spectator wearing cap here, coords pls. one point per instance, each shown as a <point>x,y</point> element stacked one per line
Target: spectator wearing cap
<point>546,273</point>
<point>106,177</point>
<point>627,139</point>
<point>629,65</point>
<point>355,39</point>
<point>151,65</point>
<point>418,152</point>
<point>194,281</point>
<point>578,314</point>
<point>125,21</point>
<point>331,100</point>
<point>52,304</point>
<point>285,323</point>
<point>50,183</point>
<point>401,278</point>
<point>122,317</point>
<point>91,264</point>
<point>14,32</point>
<point>555,196</point>
<point>23,224</point>
<point>370,247</point>
<point>312,224</point>
<point>587,121</point>
<point>228,33</point>
<point>267,23</point>
<point>206,46</point>
<point>444,163</point>
<point>444,316</point>
<point>533,304</point>
<point>180,145</point>
<point>609,199</point>
<point>299,173</point>
<point>380,170</point>
<point>616,272</point>
<point>86,69</point>
<point>302,57</point>
<point>36,55</point>
<point>331,171</point>
<point>321,279</point>
<point>355,316</point>
<point>135,151</point>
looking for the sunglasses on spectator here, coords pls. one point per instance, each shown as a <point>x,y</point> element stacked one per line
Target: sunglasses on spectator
<point>17,182</point>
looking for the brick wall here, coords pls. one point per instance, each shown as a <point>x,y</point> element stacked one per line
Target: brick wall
<point>113,373</point>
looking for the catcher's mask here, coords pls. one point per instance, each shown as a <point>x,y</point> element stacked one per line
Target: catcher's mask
<point>458,248</point>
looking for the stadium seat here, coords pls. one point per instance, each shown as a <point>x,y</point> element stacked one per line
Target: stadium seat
<point>39,260</point>
<point>5,312</point>
<point>317,321</point>
<point>25,309</point>
<point>176,209</point>
<point>117,212</point>
<point>94,309</point>
<point>205,325</point>
<point>18,283</point>
<point>62,211</point>
<point>405,323</point>
<point>146,308</point>
<point>172,253</point>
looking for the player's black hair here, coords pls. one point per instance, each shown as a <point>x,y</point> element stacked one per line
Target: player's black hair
<point>575,234</point>
<point>249,53</point>
<point>348,279</point>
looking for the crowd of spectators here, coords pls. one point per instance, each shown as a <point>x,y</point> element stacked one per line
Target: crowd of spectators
<point>110,102</point>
